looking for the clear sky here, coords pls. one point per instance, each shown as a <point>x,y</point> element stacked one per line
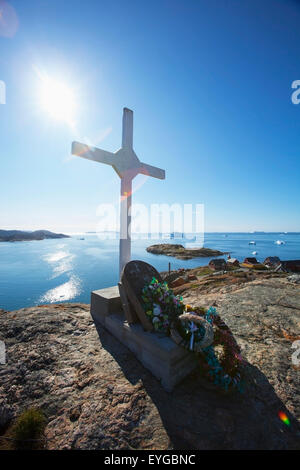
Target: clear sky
<point>210,85</point>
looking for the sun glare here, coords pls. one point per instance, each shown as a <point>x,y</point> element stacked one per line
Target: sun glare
<point>57,99</point>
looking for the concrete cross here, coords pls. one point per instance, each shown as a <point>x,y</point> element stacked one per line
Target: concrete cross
<point>127,165</point>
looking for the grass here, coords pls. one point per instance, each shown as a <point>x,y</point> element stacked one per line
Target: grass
<point>231,268</point>
<point>26,432</point>
<point>203,271</point>
<point>240,274</point>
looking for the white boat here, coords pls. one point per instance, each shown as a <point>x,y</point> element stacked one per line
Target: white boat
<point>254,252</point>
<point>252,243</point>
<point>280,242</point>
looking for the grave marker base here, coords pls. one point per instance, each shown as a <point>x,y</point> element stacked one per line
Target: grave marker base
<point>167,361</point>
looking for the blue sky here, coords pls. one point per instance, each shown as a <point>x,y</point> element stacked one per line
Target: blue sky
<point>210,85</point>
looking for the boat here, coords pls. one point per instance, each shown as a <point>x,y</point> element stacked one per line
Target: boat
<point>280,242</point>
<point>254,252</point>
<point>252,243</point>
<point>252,263</point>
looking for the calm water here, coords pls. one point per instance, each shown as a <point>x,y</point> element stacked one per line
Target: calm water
<point>66,270</point>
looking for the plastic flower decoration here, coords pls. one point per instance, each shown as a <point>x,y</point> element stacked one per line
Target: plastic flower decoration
<point>156,309</point>
<point>161,305</point>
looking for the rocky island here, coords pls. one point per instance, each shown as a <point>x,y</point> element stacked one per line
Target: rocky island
<point>20,235</point>
<point>178,251</point>
<point>95,394</point>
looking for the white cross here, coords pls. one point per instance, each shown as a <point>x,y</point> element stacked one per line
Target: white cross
<point>127,165</point>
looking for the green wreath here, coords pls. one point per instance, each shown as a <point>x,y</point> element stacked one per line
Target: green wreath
<point>199,330</point>
<point>222,360</point>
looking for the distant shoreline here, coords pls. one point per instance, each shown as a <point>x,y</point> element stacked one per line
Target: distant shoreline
<point>20,235</point>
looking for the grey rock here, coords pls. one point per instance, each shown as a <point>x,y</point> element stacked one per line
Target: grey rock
<point>96,395</point>
<point>87,399</point>
<point>295,278</point>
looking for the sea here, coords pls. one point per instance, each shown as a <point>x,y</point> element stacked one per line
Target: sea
<point>68,269</point>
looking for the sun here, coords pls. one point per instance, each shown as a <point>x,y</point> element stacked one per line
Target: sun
<point>57,99</point>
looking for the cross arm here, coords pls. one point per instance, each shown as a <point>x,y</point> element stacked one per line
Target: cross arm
<point>93,153</point>
<point>150,170</point>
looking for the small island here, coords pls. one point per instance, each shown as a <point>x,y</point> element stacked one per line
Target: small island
<point>20,235</point>
<point>178,251</point>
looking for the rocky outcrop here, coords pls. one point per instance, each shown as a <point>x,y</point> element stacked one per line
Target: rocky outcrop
<point>178,251</point>
<point>264,316</point>
<point>96,395</point>
<point>56,361</point>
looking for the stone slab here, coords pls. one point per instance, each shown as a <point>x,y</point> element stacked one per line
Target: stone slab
<point>167,361</point>
<point>104,302</point>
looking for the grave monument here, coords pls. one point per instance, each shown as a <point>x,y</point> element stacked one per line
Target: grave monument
<point>118,308</point>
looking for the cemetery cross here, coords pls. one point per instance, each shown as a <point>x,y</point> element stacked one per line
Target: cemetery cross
<point>127,165</point>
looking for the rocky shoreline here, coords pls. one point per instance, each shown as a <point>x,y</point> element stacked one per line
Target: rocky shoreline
<point>179,252</point>
<point>96,395</point>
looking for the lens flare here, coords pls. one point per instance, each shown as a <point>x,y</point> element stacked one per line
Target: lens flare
<point>8,20</point>
<point>284,418</point>
<point>57,99</point>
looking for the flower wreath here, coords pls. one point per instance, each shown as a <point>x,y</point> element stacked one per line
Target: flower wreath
<point>192,331</point>
<point>161,305</point>
<point>222,359</point>
<point>197,329</point>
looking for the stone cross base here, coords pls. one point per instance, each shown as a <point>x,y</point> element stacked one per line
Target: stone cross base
<point>167,361</point>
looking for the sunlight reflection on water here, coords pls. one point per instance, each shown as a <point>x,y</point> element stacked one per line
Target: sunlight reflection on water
<point>54,257</point>
<point>68,270</point>
<point>62,262</point>
<point>64,292</point>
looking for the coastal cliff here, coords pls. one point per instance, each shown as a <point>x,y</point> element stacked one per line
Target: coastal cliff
<point>96,395</point>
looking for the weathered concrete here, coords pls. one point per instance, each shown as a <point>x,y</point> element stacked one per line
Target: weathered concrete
<point>105,302</point>
<point>167,361</point>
